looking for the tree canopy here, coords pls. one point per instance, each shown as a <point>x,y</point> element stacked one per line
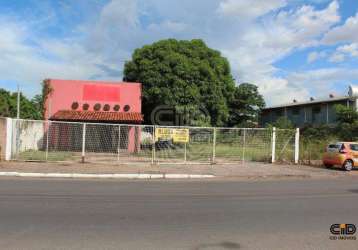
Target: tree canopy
<point>246,105</point>
<point>347,119</point>
<point>28,108</point>
<point>188,76</point>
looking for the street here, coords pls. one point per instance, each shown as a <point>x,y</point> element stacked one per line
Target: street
<point>197,215</point>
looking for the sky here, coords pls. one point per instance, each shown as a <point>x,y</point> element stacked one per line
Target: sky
<point>290,49</point>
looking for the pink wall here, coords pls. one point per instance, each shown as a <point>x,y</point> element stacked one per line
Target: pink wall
<point>65,92</point>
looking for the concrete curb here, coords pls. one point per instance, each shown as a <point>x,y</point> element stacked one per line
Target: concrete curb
<point>106,176</point>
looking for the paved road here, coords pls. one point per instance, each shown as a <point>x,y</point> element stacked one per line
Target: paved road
<point>196,215</point>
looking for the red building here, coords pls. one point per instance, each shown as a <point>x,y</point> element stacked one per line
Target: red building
<point>95,102</point>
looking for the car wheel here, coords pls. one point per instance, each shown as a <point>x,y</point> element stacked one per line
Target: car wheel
<point>328,165</point>
<point>348,165</point>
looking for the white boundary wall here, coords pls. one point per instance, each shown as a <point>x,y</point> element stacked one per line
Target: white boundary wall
<point>8,139</point>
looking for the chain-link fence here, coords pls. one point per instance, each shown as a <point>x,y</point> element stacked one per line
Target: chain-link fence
<point>117,143</point>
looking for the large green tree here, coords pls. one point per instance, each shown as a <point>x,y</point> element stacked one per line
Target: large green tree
<point>186,75</point>
<point>245,106</point>
<point>28,108</point>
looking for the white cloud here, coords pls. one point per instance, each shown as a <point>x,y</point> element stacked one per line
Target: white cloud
<point>28,64</point>
<point>325,79</point>
<point>336,57</point>
<point>344,52</point>
<point>344,33</point>
<point>119,14</point>
<point>308,25</point>
<point>350,49</point>
<point>314,56</point>
<point>279,90</point>
<point>254,35</point>
<point>168,25</point>
<point>249,9</point>
<point>266,42</point>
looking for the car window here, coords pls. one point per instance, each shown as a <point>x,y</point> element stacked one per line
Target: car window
<point>354,147</point>
<point>334,147</point>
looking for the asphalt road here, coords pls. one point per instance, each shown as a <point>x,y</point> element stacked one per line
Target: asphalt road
<point>197,215</point>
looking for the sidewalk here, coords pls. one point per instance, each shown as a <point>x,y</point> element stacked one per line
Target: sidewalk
<point>247,170</point>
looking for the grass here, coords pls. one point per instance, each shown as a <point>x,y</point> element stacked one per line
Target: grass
<point>312,150</point>
<point>195,151</point>
<point>35,155</point>
<point>227,151</point>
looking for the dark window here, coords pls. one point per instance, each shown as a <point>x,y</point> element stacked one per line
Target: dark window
<point>335,147</point>
<point>85,106</point>
<point>296,111</point>
<point>126,108</point>
<point>106,107</point>
<point>279,112</point>
<point>316,110</point>
<point>75,105</point>
<point>97,107</point>
<point>354,147</point>
<point>116,108</point>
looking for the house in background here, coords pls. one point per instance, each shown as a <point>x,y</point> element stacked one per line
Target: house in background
<point>312,112</point>
<point>93,102</point>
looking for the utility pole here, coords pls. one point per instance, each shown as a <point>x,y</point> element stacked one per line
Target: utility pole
<point>18,102</point>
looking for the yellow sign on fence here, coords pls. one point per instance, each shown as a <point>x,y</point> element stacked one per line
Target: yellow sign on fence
<point>181,135</point>
<point>175,134</point>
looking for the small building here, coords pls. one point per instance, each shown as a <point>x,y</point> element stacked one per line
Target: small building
<point>93,102</point>
<point>312,112</point>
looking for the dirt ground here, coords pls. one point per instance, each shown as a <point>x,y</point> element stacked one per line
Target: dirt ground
<point>246,170</point>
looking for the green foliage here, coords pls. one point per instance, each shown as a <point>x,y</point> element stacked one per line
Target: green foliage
<point>314,139</point>
<point>348,131</point>
<point>5,103</point>
<point>318,133</point>
<point>245,106</point>
<point>28,108</point>
<point>347,118</point>
<point>186,73</point>
<point>346,114</point>
<point>282,123</point>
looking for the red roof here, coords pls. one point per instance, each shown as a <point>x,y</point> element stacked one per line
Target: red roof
<point>72,115</point>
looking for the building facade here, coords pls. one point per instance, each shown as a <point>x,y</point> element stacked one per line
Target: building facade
<point>73,100</point>
<point>93,102</point>
<point>312,112</point>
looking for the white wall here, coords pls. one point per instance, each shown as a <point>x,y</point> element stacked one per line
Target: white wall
<point>8,139</point>
<point>27,135</point>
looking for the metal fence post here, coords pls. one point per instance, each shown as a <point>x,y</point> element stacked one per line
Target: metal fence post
<point>244,145</point>
<point>297,145</point>
<point>17,137</point>
<point>214,146</point>
<point>153,145</point>
<point>185,152</point>
<point>119,142</point>
<point>47,138</point>
<point>83,142</point>
<point>273,153</point>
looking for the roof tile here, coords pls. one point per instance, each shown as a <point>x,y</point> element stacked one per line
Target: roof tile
<point>72,115</point>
